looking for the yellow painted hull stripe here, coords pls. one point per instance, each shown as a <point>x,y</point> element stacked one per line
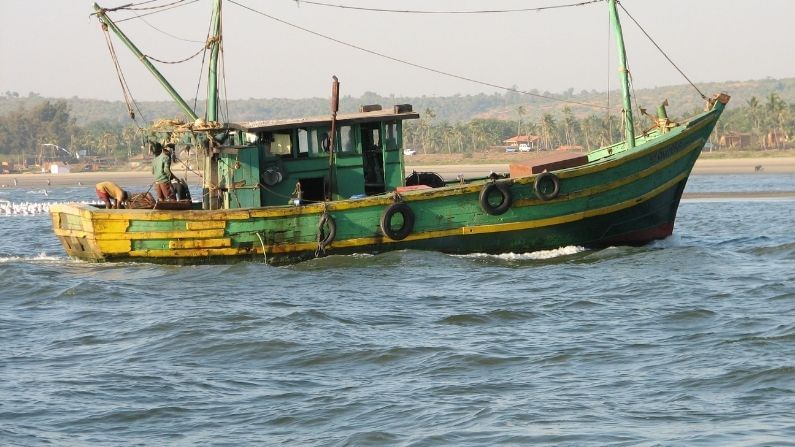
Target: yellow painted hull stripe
<point>618,183</point>
<point>369,241</point>
<point>518,226</point>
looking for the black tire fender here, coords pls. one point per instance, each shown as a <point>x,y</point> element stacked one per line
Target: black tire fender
<point>397,234</point>
<point>324,238</point>
<point>507,199</point>
<point>539,186</point>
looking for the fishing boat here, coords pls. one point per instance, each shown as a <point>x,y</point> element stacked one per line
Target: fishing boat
<point>286,190</point>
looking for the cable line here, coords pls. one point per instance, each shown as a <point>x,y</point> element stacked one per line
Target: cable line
<point>202,49</point>
<point>129,101</point>
<point>422,67</point>
<point>153,12</point>
<point>166,33</point>
<point>661,51</point>
<point>409,11</point>
<point>132,8</point>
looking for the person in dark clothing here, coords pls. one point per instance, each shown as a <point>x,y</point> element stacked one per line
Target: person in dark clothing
<point>161,169</point>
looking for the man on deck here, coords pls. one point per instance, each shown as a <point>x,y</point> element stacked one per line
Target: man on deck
<point>109,190</point>
<point>161,169</point>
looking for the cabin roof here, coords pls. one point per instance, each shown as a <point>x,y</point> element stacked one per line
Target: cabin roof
<point>342,119</point>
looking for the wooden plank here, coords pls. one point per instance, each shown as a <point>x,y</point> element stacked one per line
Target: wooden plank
<point>201,243</point>
<point>201,234</point>
<point>551,162</point>
<point>206,225</point>
<point>186,253</point>
<point>114,246</point>
<point>111,226</point>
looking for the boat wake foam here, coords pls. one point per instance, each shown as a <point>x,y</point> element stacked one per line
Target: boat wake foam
<point>41,258</point>
<point>8,208</point>
<point>531,256</point>
<point>671,241</point>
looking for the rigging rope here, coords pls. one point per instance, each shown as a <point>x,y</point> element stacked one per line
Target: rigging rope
<point>168,34</point>
<point>223,76</point>
<point>131,7</point>
<point>484,11</point>
<point>422,67</point>
<point>609,76</point>
<point>201,69</point>
<point>176,62</point>
<point>137,4</point>
<point>661,50</point>
<point>128,99</point>
<point>164,9</point>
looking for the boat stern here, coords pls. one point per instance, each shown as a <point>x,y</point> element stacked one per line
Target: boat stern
<point>74,226</point>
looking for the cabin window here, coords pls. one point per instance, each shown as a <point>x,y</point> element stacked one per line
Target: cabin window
<point>375,139</point>
<point>347,140</point>
<point>390,139</point>
<point>304,148</point>
<point>371,137</point>
<point>310,142</point>
<point>281,144</point>
<point>320,139</point>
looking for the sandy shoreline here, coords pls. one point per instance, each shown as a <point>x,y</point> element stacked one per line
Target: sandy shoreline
<point>130,179</point>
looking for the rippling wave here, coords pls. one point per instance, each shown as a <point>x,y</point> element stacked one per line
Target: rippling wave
<point>686,341</point>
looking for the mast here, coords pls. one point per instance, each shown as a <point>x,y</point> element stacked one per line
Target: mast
<point>106,21</point>
<point>212,75</point>
<point>629,123</point>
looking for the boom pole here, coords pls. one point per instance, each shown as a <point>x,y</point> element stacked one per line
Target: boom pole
<point>212,75</point>
<point>629,122</point>
<point>106,21</point>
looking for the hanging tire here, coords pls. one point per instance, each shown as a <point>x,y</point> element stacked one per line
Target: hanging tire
<point>397,234</point>
<point>326,237</point>
<point>505,198</point>
<point>547,186</point>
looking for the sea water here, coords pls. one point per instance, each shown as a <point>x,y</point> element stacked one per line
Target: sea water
<point>688,341</point>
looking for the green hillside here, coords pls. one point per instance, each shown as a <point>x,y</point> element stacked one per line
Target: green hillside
<point>761,115</point>
<point>453,109</point>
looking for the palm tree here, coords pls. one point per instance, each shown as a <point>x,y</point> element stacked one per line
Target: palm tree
<point>570,125</point>
<point>548,130</point>
<point>425,124</point>
<point>520,111</point>
<point>459,134</point>
<point>590,131</point>
<point>129,136</point>
<point>754,112</point>
<point>477,134</point>
<point>774,107</point>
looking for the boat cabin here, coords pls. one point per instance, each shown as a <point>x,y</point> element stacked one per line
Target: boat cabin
<point>279,162</point>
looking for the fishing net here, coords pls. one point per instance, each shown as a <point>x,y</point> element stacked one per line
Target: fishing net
<point>141,200</point>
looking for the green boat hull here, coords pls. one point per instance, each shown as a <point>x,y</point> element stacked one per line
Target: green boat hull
<point>619,197</point>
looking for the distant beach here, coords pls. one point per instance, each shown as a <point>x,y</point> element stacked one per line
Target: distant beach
<point>777,165</point>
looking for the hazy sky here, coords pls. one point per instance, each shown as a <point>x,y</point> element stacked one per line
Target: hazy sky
<point>54,48</point>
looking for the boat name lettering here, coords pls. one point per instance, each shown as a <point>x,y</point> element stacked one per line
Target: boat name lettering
<point>665,153</point>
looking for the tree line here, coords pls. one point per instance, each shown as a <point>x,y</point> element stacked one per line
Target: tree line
<point>29,134</point>
<point>766,122</point>
<point>553,130</point>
